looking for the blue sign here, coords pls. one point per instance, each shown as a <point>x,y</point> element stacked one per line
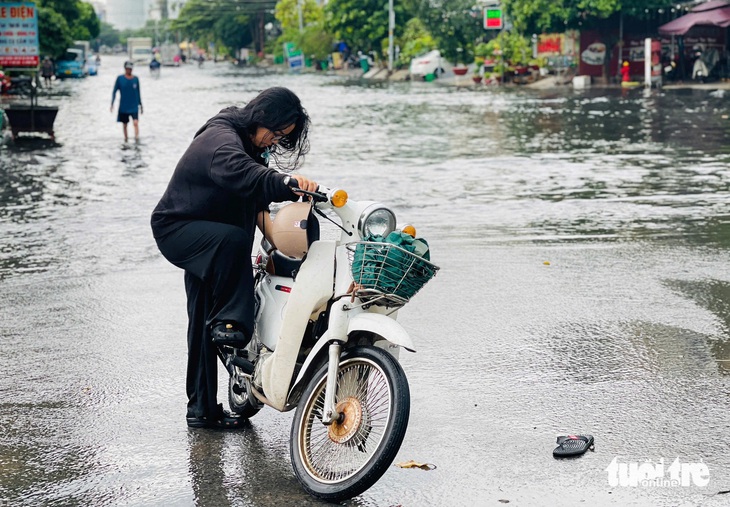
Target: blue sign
<point>19,35</point>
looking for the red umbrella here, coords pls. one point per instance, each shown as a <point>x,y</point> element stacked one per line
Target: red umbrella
<point>714,12</point>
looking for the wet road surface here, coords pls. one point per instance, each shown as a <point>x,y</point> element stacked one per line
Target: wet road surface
<point>583,239</point>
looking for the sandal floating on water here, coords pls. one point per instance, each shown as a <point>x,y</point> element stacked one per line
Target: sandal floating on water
<point>573,445</point>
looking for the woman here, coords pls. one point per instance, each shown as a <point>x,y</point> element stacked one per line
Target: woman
<point>205,224</point>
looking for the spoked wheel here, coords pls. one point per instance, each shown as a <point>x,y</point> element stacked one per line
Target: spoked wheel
<point>240,398</point>
<point>342,460</point>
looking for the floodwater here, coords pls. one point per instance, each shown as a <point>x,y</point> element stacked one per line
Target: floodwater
<point>584,241</point>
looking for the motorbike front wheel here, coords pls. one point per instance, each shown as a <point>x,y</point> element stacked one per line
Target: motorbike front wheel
<point>342,460</point>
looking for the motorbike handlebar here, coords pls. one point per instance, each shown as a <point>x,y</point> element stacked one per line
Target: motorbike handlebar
<point>316,196</point>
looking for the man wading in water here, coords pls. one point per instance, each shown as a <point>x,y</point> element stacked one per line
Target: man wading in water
<point>130,99</point>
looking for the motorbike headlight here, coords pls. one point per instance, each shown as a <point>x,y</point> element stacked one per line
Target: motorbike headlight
<point>376,220</point>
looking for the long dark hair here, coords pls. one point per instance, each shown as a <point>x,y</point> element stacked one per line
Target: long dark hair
<point>275,109</point>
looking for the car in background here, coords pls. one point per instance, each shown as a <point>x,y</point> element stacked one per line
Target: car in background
<point>91,68</point>
<point>429,66</point>
<point>72,64</point>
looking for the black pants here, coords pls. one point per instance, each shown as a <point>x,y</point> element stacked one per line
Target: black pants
<point>219,284</point>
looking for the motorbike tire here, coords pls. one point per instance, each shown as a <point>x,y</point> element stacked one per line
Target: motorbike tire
<point>354,457</point>
<point>239,398</point>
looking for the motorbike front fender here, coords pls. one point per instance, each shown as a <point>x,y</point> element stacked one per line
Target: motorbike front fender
<point>381,325</point>
<point>375,323</point>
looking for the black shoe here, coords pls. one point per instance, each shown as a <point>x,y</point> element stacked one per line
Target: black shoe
<point>222,421</point>
<point>227,333</point>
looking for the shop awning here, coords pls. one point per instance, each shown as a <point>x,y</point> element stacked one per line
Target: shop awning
<point>713,13</point>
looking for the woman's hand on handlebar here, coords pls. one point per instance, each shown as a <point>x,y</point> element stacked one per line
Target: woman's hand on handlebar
<point>304,183</point>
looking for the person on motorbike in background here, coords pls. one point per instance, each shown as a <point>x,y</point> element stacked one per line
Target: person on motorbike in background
<point>205,224</point>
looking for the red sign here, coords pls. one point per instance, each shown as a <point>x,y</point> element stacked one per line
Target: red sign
<point>550,44</point>
<point>19,61</point>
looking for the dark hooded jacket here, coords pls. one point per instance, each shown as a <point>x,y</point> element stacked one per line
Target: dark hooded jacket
<point>222,177</point>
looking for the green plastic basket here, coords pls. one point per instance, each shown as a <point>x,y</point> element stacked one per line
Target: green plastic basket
<point>386,274</point>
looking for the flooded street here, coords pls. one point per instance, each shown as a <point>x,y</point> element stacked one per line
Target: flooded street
<point>584,245</point>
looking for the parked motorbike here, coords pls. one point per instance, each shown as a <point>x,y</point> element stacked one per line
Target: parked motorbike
<point>326,339</point>
<point>704,64</point>
<point>16,85</point>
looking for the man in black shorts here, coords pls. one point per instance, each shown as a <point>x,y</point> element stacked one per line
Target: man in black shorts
<point>130,99</point>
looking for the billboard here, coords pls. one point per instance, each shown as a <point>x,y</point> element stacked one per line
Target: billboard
<point>19,35</point>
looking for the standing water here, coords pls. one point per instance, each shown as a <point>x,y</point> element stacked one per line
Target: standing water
<point>584,243</point>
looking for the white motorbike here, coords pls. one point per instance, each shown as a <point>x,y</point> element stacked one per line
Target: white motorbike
<point>326,340</point>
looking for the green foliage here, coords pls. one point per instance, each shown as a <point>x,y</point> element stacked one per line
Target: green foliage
<point>108,35</point>
<point>481,50</point>
<point>68,9</point>
<point>87,25</point>
<point>362,24</point>
<point>233,32</point>
<point>508,46</point>
<point>454,24</point>
<point>60,22</point>
<point>216,21</point>
<point>416,40</point>
<point>287,13</point>
<point>54,35</point>
<point>536,16</point>
<point>316,42</point>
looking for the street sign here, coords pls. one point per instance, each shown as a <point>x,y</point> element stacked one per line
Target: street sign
<point>19,35</point>
<point>293,56</point>
<point>493,18</point>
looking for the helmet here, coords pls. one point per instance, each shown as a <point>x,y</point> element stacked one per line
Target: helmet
<point>294,228</point>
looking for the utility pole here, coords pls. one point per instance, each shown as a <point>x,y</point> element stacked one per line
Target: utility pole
<point>301,17</point>
<point>391,27</point>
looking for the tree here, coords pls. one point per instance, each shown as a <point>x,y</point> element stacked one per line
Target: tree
<point>219,21</point>
<point>314,40</point>
<point>108,35</point>
<point>362,24</point>
<point>87,25</point>
<point>60,22</point>
<point>80,17</point>
<point>540,16</point>
<point>415,41</point>
<point>54,35</point>
<point>454,24</point>
<point>287,13</point>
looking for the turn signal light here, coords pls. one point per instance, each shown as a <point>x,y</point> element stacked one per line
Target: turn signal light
<point>339,198</point>
<point>410,230</point>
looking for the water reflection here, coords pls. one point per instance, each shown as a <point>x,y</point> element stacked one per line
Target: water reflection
<point>625,194</point>
<point>132,158</point>
<point>714,295</point>
<point>241,468</point>
<point>206,468</point>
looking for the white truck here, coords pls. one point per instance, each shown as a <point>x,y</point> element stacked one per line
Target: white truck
<point>168,52</point>
<point>139,50</point>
